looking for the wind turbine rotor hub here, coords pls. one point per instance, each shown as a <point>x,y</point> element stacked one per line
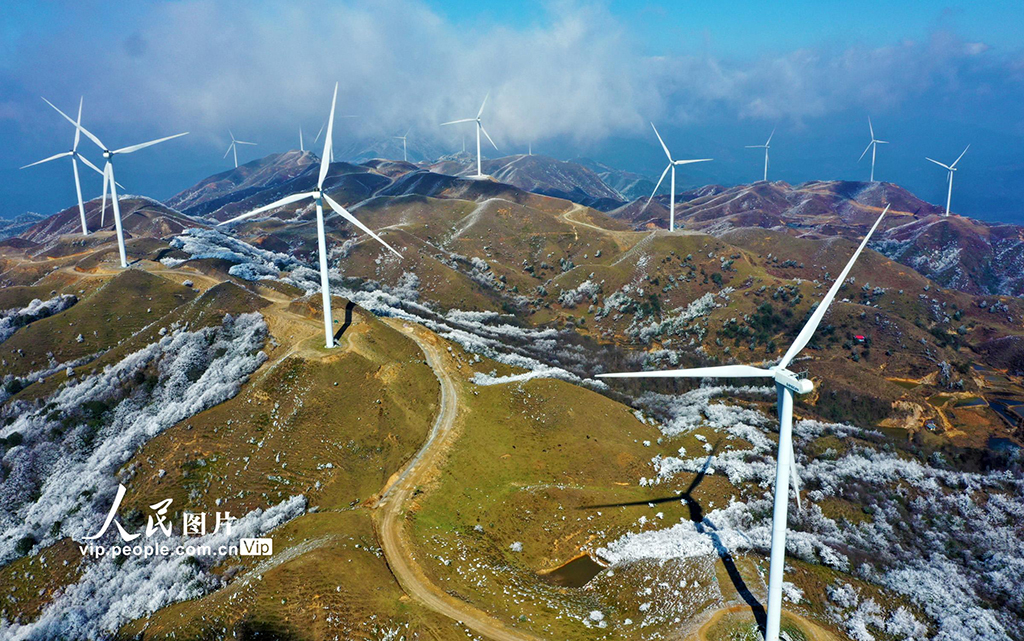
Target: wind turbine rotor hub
<point>792,382</point>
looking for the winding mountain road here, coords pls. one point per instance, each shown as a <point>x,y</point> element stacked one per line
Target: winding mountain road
<point>390,507</point>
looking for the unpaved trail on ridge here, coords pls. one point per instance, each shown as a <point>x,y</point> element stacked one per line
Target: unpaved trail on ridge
<point>390,507</point>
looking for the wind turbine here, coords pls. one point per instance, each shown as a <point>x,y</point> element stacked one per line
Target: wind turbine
<point>873,146</point>
<point>765,146</point>
<point>405,150</point>
<point>319,197</point>
<point>787,383</point>
<point>234,145</point>
<point>479,128</point>
<point>949,175</point>
<point>672,164</point>
<point>75,157</point>
<point>302,147</point>
<point>108,175</point>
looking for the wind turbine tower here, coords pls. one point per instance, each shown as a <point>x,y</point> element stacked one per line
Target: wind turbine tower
<point>873,146</point>
<point>787,383</point>
<point>233,147</point>
<point>949,175</point>
<point>108,174</point>
<point>75,157</point>
<point>319,197</point>
<point>479,129</point>
<point>672,164</point>
<point>765,146</point>
<point>405,149</point>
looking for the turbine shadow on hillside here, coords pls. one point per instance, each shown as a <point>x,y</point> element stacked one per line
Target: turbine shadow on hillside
<point>705,527</point>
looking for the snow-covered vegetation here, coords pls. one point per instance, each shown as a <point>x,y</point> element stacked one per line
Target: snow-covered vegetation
<point>70,447</point>
<point>12,319</point>
<point>115,590</point>
<point>544,352</point>
<point>947,540</point>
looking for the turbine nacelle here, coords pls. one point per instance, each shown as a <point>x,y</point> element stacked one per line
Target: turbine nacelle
<point>791,381</point>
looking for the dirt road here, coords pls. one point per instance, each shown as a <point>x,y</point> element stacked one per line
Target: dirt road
<point>390,507</point>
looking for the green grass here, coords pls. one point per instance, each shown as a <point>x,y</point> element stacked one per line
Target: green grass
<point>127,303</point>
<point>533,464</point>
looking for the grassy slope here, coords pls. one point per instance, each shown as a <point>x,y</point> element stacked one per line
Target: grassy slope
<point>127,303</point>
<point>531,462</point>
<point>292,431</point>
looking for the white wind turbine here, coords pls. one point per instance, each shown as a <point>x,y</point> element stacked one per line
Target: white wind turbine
<point>405,150</point>
<point>672,164</point>
<point>765,146</point>
<point>873,146</point>
<point>233,147</point>
<point>787,383</point>
<point>75,157</point>
<point>108,175</point>
<point>319,197</point>
<point>949,175</point>
<point>479,128</point>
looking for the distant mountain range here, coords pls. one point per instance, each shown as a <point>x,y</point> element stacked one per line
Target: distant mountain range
<point>961,253</point>
<point>18,225</point>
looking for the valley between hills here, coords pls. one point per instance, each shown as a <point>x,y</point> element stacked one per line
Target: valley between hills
<point>454,469</point>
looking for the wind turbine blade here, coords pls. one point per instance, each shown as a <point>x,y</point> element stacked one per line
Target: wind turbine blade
<point>663,145</point>
<point>407,133</point>
<point>667,167</point>
<point>130,149</point>
<point>355,221</point>
<point>53,157</point>
<point>805,334</point>
<point>720,371</point>
<point>230,147</point>
<point>754,146</point>
<point>770,137</point>
<point>89,164</point>
<point>319,132</point>
<point>690,162</point>
<point>325,161</point>
<point>78,193</point>
<point>960,156</point>
<point>106,183</point>
<point>77,126</point>
<point>481,112</point>
<point>455,122</point>
<point>287,200</point>
<point>865,151</point>
<point>871,128</point>
<point>882,142</point>
<point>489,138</point>
<point>242,142</point>
<point>943,165</point>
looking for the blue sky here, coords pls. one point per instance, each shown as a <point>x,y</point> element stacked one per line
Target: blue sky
<point>572,78</point>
